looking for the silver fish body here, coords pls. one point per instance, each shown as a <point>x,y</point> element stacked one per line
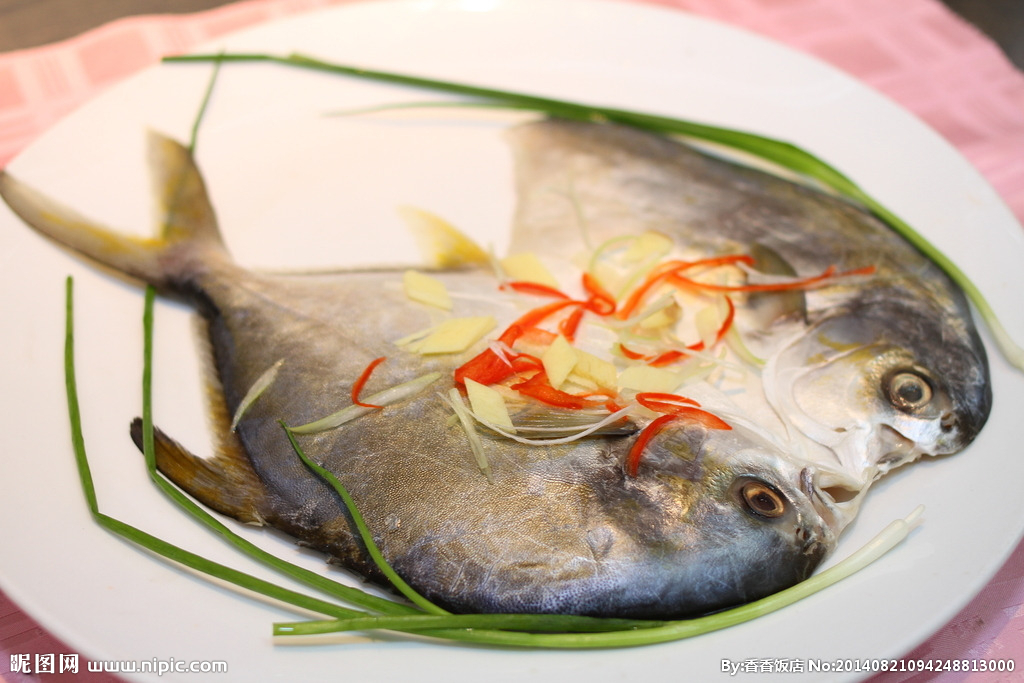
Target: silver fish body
<point>559,529</point>
<point>712,518</point>
<point>865,375</point>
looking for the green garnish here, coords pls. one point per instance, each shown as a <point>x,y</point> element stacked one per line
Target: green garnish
<point>650,633</point>
<point>364,532</point>
<point>262,383</point>
<point>399,392</point>
<point>141,538</point>
<point>784,154</point>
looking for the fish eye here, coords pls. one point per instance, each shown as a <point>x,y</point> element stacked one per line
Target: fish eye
<point>908,390</point>
<point>762,499</point>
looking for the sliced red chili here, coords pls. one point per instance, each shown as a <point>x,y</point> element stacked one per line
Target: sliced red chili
<point>631,354</point>
<point>535,288</point>
<point>663,358</point>
<point>539,388</point>
<point>636,451</point>
<point>672,412</point>
<point>357,388</point>
<point>653,278</point>
<point>730,316</point>
<point>803,283</point>
<point>599,300</point>
<point>671,356</point>
<point>662,402</point>
<point>570,325</point>
<point>487,367</point>
<point>670,269</point>
<point>538,315</point>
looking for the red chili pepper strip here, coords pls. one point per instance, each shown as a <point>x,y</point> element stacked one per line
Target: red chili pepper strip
<point>663,358</point>
<point>525,361</point>
<point>540,388</point>
<point>674,268</point>
<point>539,314</point>
<point>709,420</point>
<point>631,354</point>
<point>636,452</point>
<point>727,323</point>
<point>570,325</point>
<point>669,357</point>
<point>535,288</point>
<point>661,402</point>
<point>357,388</point>
<point>652,280</point>
<point>600,300</point>
<point>804,283</point>
<point>487,367</point>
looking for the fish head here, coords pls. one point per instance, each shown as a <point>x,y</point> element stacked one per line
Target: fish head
<point>739,518</point>
<point>883,381</point>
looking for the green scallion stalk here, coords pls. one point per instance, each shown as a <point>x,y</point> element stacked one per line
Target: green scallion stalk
<point>364,532</point>
<point>634,636</point>
<point>194,136</point>
<point>527,623</point>
<point>340,591</point>
<point>784,154</point>
<point>353,596</point>
<point>145,540</point>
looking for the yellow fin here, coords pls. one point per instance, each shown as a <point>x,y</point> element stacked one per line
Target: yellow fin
<point>188,227</point>
<point>441,243</point>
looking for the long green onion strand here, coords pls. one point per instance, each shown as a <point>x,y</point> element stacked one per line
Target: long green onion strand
<point>364,532</point>
<point>219,571</point>
<point>385,608</point>
<point>340,591</point>
<point>310,578</point>
<point>203,105</point>
<point>144,539</point>
<point>537,623</point>
<point>889,537</point>
<point>779,152</point>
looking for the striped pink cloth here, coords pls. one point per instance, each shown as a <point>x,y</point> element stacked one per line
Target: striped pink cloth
<point>914,51</point>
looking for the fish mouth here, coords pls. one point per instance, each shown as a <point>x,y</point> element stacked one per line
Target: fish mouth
<point>836,504</point>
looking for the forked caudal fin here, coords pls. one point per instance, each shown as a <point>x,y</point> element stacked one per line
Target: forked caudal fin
<point>188,232</point>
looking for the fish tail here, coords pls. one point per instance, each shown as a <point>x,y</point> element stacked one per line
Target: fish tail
<point>225,483</point>
<point>188,232</point>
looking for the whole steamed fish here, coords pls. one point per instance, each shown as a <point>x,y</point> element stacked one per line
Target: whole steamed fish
<point>664,508</point>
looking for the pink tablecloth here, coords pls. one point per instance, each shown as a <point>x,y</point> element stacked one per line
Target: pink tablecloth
<point>915,51</point>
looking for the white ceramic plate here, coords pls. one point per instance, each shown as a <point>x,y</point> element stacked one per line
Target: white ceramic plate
<point>297,190</point>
